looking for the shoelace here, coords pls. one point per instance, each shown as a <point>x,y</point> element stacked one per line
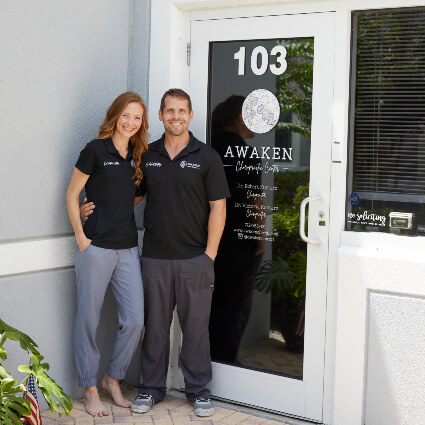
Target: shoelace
<point>144,397</point>
<point>203,400</point>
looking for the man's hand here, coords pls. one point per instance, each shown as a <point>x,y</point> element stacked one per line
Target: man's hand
<point>86,209</point>
<point>211,255</point>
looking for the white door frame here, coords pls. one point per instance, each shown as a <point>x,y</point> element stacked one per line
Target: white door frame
<point>299,398</point>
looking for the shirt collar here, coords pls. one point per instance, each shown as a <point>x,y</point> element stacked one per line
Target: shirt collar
<point>110,148</point>
<point>192,146</point>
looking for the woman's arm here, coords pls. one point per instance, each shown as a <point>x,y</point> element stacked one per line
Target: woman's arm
<point>78,180</point>
<point>138,199</point>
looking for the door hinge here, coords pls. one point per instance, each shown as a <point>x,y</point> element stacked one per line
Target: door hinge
<point>188,47</point>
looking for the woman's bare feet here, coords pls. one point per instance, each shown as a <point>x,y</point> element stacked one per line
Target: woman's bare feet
<point>93,404</point>
<point>112,386</point>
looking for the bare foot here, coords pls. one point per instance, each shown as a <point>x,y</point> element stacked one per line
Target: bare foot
<point>93,404</point>
<point>112,386</point>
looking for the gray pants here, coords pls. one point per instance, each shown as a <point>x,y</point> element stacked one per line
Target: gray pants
<point>95,268</point>
<point>187,284</point>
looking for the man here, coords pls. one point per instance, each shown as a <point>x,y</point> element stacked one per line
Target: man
<point>185,212</point>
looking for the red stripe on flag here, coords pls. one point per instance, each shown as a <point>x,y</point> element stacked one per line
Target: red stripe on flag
<point>35,417</point>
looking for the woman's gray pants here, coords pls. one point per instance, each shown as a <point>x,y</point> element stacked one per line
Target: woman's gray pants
<point>94,268</point>
<point>188,284</point>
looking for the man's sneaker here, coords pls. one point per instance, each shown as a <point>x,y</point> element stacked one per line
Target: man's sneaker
<point>142,404</point>
<point>203,407</point>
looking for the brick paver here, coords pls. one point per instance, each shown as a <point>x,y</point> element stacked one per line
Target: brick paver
<point>171,411</point>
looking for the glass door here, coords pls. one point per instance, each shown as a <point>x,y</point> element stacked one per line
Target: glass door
<point>262,95</point>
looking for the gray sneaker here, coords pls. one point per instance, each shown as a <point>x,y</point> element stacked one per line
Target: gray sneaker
<point>203,407</point>
<point>142,404</point>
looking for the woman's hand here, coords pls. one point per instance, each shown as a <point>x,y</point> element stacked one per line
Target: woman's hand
<point>86,209</point>
<point>83,243</point>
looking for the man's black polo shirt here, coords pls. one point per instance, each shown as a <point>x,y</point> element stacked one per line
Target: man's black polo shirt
<point>177,206</point>
<point>111,187</point>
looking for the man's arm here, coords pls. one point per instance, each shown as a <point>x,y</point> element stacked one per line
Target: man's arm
<point>87,207</point>
<point>138,199</point>
<point>216,223</point>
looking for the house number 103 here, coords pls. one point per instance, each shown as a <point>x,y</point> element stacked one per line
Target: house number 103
<point>260,51</point>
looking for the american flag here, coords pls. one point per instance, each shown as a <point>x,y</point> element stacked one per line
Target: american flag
<point>31,395</point>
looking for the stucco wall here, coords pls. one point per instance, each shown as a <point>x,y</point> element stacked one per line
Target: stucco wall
<point>62,65</point>
<point>379,350</point>
<point>395,379</point>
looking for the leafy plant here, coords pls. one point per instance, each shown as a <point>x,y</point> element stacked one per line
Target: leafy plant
<point>275,275</point>
<point>294,88</point>
<point>283,278</point>
<point>12,405</point>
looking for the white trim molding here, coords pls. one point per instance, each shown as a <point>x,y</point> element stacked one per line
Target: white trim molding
<point>36,255</point>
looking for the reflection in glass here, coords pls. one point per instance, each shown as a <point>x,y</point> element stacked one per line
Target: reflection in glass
<point>258,308</point>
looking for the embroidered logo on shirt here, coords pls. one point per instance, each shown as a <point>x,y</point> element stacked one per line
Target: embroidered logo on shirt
<point>110,163</point>
<point>132,163</point>
<point>185,164</point>
<point>153,164</point>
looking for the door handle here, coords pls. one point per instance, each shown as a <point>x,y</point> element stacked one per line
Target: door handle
<point>303,205</point>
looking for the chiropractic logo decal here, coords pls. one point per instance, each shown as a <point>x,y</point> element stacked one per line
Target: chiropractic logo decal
<point>185,164</point>
<point>153,164</point>
<point>261,111</point>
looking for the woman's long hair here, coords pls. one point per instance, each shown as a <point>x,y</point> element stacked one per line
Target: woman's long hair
<point>138,140</point>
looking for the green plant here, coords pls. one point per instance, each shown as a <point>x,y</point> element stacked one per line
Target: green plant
<point>284,279</point>
<point>13,406</point>
<point>275,275</point>
<point>294,88</point>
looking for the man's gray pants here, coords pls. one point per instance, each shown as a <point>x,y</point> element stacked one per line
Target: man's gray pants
<point>188,284</point>
<point>95,267</point>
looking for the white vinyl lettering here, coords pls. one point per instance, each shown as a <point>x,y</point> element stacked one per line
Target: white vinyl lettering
<point>254,153</point>
<point>241,150</point>
<point>260,60</point>
<point>281,51</point>
<point>264,60</point>
<point>229,152</point>
<point>240,56</point>
<point>264,153</point>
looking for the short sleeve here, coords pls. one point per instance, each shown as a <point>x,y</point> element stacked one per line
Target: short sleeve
<point>87,161</point>
<point>215,180</point>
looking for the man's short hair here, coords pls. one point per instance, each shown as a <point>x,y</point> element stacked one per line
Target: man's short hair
<point>176,93</point>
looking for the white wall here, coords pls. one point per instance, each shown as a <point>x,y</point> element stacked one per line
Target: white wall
<point>62,65</point>
<point>380,366</point>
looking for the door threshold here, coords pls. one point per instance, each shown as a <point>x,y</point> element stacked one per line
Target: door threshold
<point>254,411</point>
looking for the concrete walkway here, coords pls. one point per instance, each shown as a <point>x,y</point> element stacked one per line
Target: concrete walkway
<point>171,411</point>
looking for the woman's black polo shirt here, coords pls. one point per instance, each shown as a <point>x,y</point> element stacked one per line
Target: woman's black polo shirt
<point>177,206</point>
<point>111,186</point>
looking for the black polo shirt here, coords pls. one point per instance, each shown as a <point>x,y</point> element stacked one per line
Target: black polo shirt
<point>177,206</point>
<point>111,186</point>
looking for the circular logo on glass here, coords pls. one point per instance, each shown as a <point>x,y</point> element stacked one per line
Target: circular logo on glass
<point>260,111</point>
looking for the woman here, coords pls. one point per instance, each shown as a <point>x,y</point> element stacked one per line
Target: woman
<point>109,168</point>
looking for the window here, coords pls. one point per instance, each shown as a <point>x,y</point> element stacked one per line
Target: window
<point>386,180</point>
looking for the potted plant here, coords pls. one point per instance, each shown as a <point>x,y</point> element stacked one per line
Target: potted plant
<point>14,407</point>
